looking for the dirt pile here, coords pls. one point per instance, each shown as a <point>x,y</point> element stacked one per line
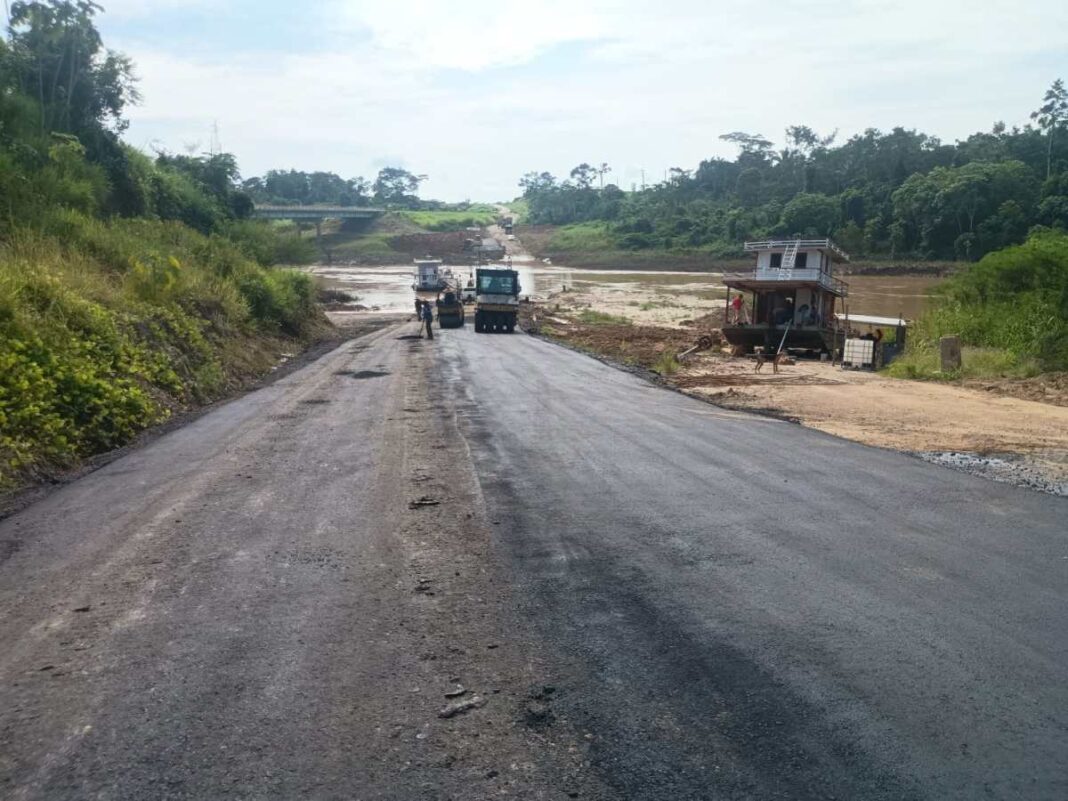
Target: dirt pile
<point>447,246</point>
<point>1047,388</point>
<point>640,345</point>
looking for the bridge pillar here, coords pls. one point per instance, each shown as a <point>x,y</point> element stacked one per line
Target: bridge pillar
<point>319,239</point>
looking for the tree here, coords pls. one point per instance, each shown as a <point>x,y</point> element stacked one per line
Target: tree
<point>1052,114</point>
<point>395,186</point>
<point>602,171</point>
<point>942,211</point>
<point>583,174</point>
<point>807,214</point>
<point>755,149</point>
<point>534,182</point>
<point>802,142</point>
<point>60,60</point>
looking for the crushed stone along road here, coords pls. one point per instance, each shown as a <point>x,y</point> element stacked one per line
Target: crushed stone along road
<point>490,567</point>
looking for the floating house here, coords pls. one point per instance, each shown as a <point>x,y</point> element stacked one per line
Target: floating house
<point>428,277</point>
<point>789,299</point>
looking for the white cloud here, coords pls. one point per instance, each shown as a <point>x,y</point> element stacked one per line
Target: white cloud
<point>470,34</point>
<point>140,9</point>
<point>469,92</point>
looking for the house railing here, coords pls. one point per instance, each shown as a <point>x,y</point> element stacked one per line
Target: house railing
<point>825,280</point>
<point>797,244</point>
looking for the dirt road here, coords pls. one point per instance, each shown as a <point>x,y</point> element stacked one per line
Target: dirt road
<point>642,596</point>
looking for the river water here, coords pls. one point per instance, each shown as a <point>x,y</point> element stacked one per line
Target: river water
<point>389,289</point>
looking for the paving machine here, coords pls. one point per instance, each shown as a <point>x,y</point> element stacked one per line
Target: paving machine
<point>497,299</point>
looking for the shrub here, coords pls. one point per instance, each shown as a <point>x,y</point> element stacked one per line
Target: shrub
<point>269,244</point>
<point>1011,308</point>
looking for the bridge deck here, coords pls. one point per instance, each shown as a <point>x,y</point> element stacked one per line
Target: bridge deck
<point>316,212</point>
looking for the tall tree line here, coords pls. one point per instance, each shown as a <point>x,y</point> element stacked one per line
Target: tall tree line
<point>896,193</point>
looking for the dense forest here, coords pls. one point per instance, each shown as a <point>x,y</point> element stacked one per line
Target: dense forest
<point>393,188</point>
<point>896,194</point>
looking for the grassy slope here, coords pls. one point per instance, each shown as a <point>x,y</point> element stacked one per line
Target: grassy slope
<point>449,220</point>
<point>107,328</point>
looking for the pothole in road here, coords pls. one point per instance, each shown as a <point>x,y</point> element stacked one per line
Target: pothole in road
<point>315,401</point>
<point>408,337</point>
<point>362,373</point>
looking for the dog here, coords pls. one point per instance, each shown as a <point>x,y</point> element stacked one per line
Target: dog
<point>761,358</point>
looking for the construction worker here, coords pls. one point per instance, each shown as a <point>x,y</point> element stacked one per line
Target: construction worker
<point>428,318</point>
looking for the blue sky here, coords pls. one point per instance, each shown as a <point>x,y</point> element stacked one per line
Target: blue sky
<point>475,94</point>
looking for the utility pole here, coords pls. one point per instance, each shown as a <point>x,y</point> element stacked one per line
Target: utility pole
<point>216,144</point>
<point>643,179</point>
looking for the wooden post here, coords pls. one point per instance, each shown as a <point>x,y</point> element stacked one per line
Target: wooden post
<point>949,348</point>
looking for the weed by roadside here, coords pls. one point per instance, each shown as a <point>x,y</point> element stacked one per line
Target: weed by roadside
<point>667,364</point>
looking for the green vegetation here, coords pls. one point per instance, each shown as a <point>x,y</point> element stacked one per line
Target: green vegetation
<point>125,321</point>
<point>520,210</point>
<point>452,220</point>
<point>591,236</point>
<point>130,286</point>
<point>922,362</point>
<point>1010,311</point>
<point>901,194</point>
<point>667,364</point>
<point>370,248</point>
<point>591,317</point>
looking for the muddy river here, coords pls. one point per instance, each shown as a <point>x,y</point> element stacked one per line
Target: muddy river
<point>389,289</point>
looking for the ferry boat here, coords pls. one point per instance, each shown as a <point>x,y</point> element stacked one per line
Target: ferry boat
<point>788,300</point>
<point>428,276</point>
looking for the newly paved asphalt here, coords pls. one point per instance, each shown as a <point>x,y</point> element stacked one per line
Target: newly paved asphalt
<point>713,605</point>
<point>744,608</point>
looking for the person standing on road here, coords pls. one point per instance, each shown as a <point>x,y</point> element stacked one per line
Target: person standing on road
<point>428,318</point>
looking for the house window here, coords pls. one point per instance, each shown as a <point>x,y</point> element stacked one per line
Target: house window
<point>776,261</point>
<point>802,261</point>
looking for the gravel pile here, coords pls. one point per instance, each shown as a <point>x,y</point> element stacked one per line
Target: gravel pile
<point>1006,468</point>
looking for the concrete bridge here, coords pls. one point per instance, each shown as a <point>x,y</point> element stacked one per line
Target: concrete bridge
<point>316,214</point>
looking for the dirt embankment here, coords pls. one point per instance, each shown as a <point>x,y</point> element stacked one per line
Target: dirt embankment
<point>1007,429</point>
<point>447,246</point>
<point>391,240</point>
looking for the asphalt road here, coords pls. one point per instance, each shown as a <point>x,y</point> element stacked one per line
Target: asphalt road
<point>750,609</point>
<point>649,597</point>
